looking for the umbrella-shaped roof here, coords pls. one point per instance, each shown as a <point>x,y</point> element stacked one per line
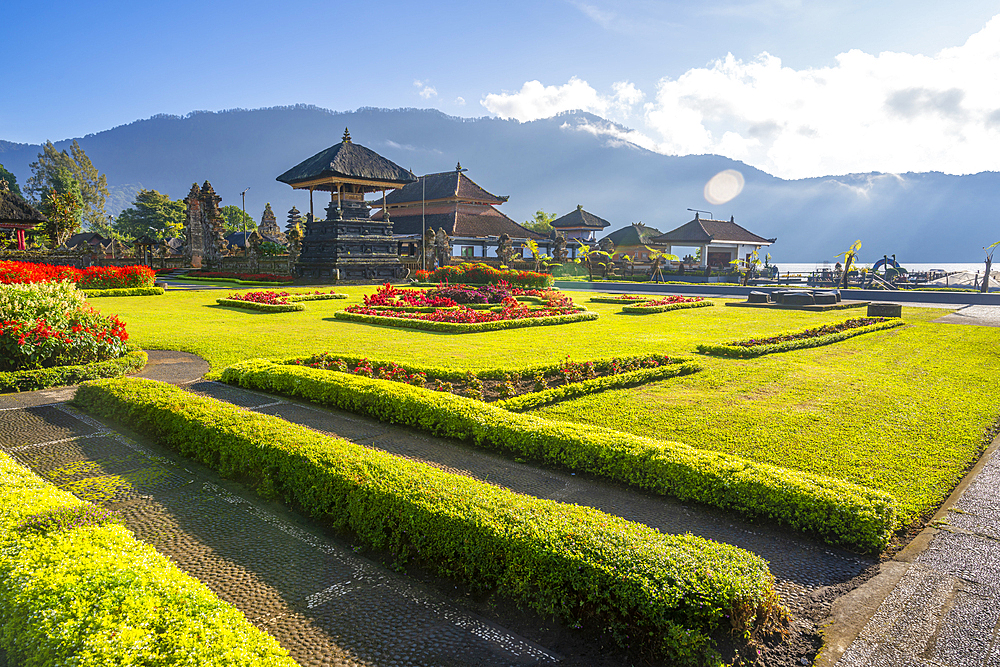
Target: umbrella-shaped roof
<point>15,212</point>
<point>347,162</point>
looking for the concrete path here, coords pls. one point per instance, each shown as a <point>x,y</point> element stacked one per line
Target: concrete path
<point>983,316</point>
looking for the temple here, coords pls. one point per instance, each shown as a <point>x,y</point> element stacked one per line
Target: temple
<point>720,241</point>
<point>17,215</point>
<point>580,225</point>
<point>348,244</point>
<point>453,202</point>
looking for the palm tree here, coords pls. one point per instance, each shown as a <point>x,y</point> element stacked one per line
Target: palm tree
<point>849,256</point>
<point>989,264</point>
<point>658,257</point>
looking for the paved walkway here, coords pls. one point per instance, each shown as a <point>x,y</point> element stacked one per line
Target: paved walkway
<point>983,316</point>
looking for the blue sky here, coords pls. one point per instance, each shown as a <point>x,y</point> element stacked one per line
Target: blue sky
<point>796,88</point>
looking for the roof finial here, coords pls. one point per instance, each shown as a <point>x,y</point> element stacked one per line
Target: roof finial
<point>347,136</point>
<point>579,207</point>
<point>458,166</point>
<point>696,214</point>
<point>732,218</point>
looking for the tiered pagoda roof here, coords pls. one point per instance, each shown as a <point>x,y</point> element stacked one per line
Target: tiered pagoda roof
<point>699,232</point>
<point>580,219</point>
<point>347,162</point>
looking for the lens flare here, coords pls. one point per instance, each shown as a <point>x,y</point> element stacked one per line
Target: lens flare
<point>724,187</point>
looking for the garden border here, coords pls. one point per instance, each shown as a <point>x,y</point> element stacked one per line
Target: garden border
<point>740,352</point>
<point>665,593</point>
<point>41,378</point>
<point>123,291</point>
<point>837,511</point>
<point>81,592</point>
<point>649,310</point>
<point>452,327</point>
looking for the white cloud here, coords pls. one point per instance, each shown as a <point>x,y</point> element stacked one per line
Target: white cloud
<point>424,89</point>
<point>891,112</point>
<point>460,101</point>
<point>536,101</point>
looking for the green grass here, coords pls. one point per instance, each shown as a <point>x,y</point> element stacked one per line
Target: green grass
<point>902,411</point>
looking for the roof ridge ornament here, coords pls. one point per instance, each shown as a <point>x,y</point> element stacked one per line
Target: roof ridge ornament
<point>346,139</point>
<point>458,166</point>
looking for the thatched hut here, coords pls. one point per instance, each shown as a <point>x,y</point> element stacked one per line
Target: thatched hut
<point>17,214</point>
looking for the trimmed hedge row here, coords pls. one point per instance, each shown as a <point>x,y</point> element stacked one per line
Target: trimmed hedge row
<point>785,346</point>
<point>234,280</point>
<point>648,590</point>
<point>444,373</point>
<point>41,378</point>
<point>263,307</point>
<point>608,299</point>
<point>76,588</point>
<point>537,399</point>
<point>452,327</point>
<point>648,310</point>
<point>837,511</point>
<point>123,291</point>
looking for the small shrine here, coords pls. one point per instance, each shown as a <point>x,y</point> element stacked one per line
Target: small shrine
<point>268,227</point>
<point>347,244</point>
<point>17,215</point>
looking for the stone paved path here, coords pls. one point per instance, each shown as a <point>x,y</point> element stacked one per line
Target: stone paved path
<point>941,604</point>
<point>984,316</point>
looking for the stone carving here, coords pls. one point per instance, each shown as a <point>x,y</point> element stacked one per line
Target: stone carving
<point>269,226</point>
<point>505,249</point>
<point>442,247</point>
<point>203,229</point>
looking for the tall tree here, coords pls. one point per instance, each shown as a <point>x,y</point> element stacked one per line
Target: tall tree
<point>541,222</point>
<point>93,184</point>
<point>152,213</point>
<point>11,181</point>
<point>63,206</point>
<point>234,218</point>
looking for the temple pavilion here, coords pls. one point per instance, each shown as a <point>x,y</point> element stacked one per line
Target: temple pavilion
<point>721,241</point>
<point>17,215</point>
<point>580,225</point>
<point>347,243</point>
<point>452,201</point>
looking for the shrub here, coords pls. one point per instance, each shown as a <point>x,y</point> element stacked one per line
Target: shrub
<point>481,274</point>
<point>129,291</point>
<point>77,588</point>
<point>81,336</point>
<point>839,512</point>
<point>41,378</point>
<point>400,319</point>
<point>49,301</point>
<point>665,593</point>
<point>95,277</point>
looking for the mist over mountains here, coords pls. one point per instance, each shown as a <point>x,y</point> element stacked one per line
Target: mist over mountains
<point>553,164</point>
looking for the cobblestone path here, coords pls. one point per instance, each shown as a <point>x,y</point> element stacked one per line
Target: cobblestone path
<point>803,567</point>
<point>323,602</point>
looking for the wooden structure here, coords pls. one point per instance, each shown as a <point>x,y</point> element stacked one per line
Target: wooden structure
<point>721,241</point>
<point>580,225</point>
<point>17,215</point>
<point>348,244</point>
<point>452,201</point>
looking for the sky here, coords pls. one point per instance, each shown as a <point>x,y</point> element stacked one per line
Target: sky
<point>793,87</point>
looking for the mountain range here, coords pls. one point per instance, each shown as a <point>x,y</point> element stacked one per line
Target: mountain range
<point>552,164</point>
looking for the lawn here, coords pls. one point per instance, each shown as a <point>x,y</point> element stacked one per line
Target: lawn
<point>903,411</point>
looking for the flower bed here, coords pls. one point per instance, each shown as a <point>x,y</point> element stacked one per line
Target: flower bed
<point>77,588</point>
<point>667,303</point>
<point>802,338</point>
<point>533,387</point>
<point>94,277</point>
<point>481,274</point>
<point>838,512</point>
<point>43,325</point>
<point>622,298</point>
<point>275,302</point>
<point>427,309</point>
<point>661,593</point>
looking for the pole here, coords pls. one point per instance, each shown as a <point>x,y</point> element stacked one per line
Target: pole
<point>244,220</point>
<point>423,222</point>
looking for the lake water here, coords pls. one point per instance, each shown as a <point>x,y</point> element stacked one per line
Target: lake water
<point>806,267</point>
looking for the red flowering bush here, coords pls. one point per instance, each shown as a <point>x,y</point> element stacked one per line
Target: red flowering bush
<point>671,299</point>
<point>390,296</point>
<point>482,274</point>
<point>85,336</point>
<point>269,297</point>
<point>94,277</point>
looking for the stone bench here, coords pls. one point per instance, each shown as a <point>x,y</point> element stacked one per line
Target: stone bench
<point>885,310</point>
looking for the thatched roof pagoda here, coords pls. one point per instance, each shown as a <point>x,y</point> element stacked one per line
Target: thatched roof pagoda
<point>17,214</point>
<point>347,163</point>
<point>579,224</point>
<point>721,241</point>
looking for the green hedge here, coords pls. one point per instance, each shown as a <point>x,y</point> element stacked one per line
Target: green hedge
<point>446,373</point>
<point>646,589</point>
<point>238,281</point>
<point>40,378</point>
<point>125,291</point>
<point>76,588</point>
<point>741,352</point>
<point>648,310</point>
<point>608,299</point>
<point>537,399</point>
<point>838,512</point>
<point>262,307</point>
<point>450,327</point>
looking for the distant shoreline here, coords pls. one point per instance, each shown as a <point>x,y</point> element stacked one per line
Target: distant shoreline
<point>806,267</point>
